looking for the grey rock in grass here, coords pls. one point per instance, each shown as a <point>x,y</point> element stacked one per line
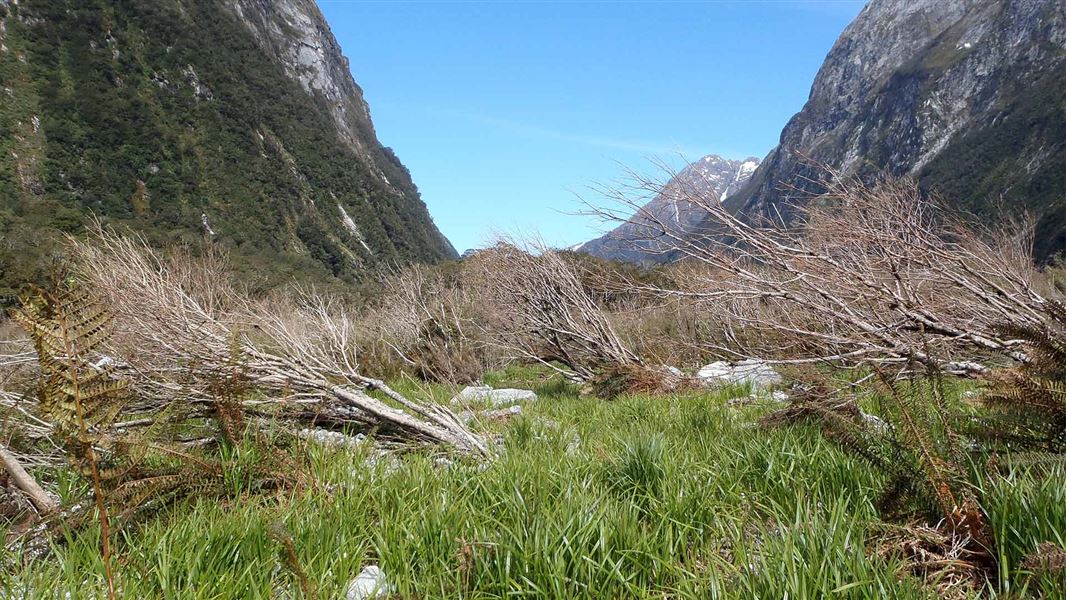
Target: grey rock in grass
<point>760,397</point>
<point>874,421</point>
<point>334,439</point>
<point>493,397</point>
<point>574,444</point>
<point>388,462</point>
<point>369,584</point>
<point>755,372</point>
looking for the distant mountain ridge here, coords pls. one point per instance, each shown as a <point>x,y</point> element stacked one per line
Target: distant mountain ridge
<point>641,239</point>
<point>967,96</point>
<point>238,120</point>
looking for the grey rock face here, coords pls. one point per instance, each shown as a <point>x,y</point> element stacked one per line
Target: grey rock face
<point>297,34</point>
<point>674,211</point>
<point>906,90</point>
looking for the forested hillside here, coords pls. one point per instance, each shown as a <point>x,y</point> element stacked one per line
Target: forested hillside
<point>186,120</point>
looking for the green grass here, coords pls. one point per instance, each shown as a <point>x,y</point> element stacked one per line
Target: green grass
<point>641,497</point>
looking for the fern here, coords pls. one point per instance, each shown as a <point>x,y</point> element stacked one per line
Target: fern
<point>79,391</point>
<point>1048,559</point>
<point>228,386</point>
<point>81,395</point>
<point>917,450</point>
<point>276,530</point>
<point>77,395</point>
<point>1028,403</point>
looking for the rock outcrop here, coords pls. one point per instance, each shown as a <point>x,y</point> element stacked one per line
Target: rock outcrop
<point>964,95</point>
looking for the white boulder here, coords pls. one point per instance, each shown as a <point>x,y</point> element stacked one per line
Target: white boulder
<point>332,438</point>
<point>874,421</point>
<point>492,397</point>
<point>779,396</point>
<point>369,584</point>
<point>755,372</point>
<point>760,397</point>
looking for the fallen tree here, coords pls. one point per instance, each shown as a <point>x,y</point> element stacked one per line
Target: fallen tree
<point>544,314</point>
<point>866,274</point>
<point>424,323</point>
<point>180,333</point>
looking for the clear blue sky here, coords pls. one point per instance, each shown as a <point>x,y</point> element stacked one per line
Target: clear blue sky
<point>503,111</point>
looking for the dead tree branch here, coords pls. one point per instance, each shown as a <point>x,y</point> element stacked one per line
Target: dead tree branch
<point>865,274</point>
<point>545,313</point>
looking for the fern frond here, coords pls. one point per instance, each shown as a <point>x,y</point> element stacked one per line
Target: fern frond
<point>1030,400</point>
<point>1048,559</point>
<point>68,327</point>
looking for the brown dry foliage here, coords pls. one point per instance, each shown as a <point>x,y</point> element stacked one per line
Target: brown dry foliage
<point>543,312</point>
<point>425,323</point>
<point>1048,559</point>
<point>939,557</point>
<point>178,327</point>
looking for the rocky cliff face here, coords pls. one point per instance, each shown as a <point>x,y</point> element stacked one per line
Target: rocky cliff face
<point>233,119</point>
<point>964,95</point>
<point>296,35</point>
<point>673,212</point>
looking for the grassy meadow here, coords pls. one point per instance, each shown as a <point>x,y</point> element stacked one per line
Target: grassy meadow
<point>646,496</point>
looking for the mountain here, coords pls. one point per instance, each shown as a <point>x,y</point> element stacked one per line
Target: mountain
<point>235,120</point>
<point>645,236</point>
<point>966,96</point>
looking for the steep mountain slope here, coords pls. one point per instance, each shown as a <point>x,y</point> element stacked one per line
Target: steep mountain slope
<point>641,238</point>
<point>965,95</point>
<point>232,119</point>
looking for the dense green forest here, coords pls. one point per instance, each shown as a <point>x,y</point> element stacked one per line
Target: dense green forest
<point>168,117</point>
<point>989,165</point>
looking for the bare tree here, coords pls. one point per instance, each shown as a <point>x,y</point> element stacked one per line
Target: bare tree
<point>866,273</point>
<point>544,313</point>
<point>425,319</point>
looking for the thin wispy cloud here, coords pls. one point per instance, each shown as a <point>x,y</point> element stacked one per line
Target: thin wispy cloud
<point>529,130</point>
<point>828,7</point>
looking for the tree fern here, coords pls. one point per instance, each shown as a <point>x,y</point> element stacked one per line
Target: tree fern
<point>916,448</point>
<point>134,474</point>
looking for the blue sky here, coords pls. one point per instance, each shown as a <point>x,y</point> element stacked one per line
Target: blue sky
<point>505,111</point>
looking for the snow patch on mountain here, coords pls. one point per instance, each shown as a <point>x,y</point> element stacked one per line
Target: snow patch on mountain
<point>675,211</point>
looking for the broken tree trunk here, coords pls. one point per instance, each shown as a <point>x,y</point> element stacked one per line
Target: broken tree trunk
<point>24,481</point>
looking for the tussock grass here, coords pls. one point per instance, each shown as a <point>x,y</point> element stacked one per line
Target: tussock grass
<point>641,497</point>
